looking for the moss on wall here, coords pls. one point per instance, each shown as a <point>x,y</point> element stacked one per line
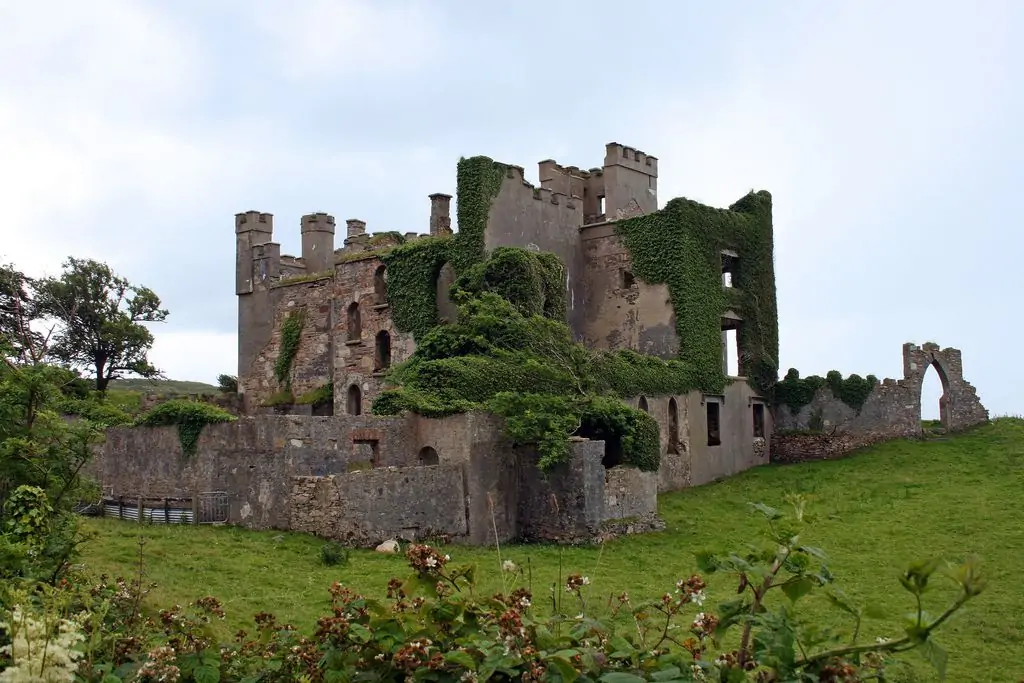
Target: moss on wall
<point>796,392</point>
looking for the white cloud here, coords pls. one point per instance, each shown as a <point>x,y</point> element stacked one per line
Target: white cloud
<point>195,356</point>
<point>313,39</point>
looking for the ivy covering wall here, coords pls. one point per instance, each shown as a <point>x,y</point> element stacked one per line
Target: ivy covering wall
<point>796,392</point>
<point>681,246</point>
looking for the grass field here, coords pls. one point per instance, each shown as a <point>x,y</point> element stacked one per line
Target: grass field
<point>878,511</point>
<point>163,386</point>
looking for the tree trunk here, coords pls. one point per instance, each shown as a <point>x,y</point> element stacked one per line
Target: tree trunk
<point>101,379</point>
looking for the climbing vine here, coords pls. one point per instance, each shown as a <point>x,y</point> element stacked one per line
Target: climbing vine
<point>681,246</point>
<point>189,416</point>
<point>524,367</point>
<point>291,335</point>
<point>796,392</point>
<point>412,282</point>
<point>530,281</point>
<point>479,181</point>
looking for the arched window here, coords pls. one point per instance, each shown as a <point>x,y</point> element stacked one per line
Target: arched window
<point>355,400</point>
<point>355,325</point>
<point>382,353</point>
<point>642,405</point>
<point>380,285</point>
<point>673,426</point>
<point>428,456</point>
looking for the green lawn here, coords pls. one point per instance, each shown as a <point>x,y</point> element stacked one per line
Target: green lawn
<point>878,511</point>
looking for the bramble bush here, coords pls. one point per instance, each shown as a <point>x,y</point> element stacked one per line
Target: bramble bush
<point>434,626</point>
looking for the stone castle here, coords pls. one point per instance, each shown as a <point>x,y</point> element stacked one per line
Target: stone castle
<point>330,467</point>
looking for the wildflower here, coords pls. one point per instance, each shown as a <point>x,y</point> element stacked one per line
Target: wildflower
<point>508,566</point>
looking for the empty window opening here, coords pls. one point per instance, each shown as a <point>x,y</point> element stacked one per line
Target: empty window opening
<point>366,452</point>
<point>714,424</point>
<point>730,264</point>
<point>355,325</point>
<point>382,352</point>
<point>380,285</point>
<point>642,404</point>
<point>731,352</point>
<point>428,456</point>
<point>933,398</point>
<point>758,409</point>
<point>673,426</point>
<point>355,400</point>
<point>323,409</point>
<point>628,280</point>
<point>612,443</point>
<point>600,205</point>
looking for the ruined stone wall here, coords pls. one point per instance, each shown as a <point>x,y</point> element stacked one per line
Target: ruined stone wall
<point>252,459</point>
<point>539,219</point>
<point>619,310</point>
<point>892,410</point>
<point>688,456</point>
<point>358,359</point>
<point>368,507</point>
<point>568,504</point>
<point>311,367</point>
<point>629,493</point>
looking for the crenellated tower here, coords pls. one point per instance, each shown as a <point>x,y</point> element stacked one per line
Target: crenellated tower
<point>257,264</point>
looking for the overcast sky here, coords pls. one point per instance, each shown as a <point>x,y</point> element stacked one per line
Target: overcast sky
<point>888,132</point>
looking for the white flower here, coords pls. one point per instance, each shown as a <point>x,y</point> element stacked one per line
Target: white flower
<point>447,558</point>
<point>36,657</point>
<point>586,580</point>
<point>699,597</point>
<point>508,566</point>
<point>431,561</point>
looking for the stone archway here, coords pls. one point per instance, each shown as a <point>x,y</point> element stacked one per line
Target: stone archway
<point>937,368</point>
<point>959,406</point>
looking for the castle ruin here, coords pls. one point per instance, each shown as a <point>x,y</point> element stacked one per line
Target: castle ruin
<point>328,466</point>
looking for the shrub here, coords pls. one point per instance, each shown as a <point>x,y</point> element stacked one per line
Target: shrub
<point>190,418</point>
<point>333,554</point>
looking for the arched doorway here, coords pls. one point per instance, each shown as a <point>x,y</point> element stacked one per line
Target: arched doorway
<point>934,398</point>
<point>355,400</point>
<point>428,456</point>
<point>642,404</point>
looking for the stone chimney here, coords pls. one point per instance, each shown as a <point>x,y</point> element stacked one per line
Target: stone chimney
<point>440,214</point>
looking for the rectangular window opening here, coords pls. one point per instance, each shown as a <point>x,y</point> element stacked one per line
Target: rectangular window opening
<point>731,352</point>
<point>714,424</point>
<point>600,206</point>
<point>758,409</point>
<point>730,263</point>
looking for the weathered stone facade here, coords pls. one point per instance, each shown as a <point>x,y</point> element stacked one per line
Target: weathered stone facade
<point>892,410</point>
<point>361,479</point>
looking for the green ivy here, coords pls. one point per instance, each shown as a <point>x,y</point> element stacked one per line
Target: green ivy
<point>680,246</point>
<point>530,281</point>
<point>190,418</point>
<point>478,183</point>
<point>796,392</point>
<point>299,279</point>
<point>524,367</point>
<point>386,238</point>
<point>291,335</point>
<point>412,282</point>
<point>322,395</point>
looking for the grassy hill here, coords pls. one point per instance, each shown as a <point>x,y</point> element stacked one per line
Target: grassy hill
<point>163,386</point>
<point>877,511</point>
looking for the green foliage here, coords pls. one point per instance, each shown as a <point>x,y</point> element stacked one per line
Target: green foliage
<point>100,316</point>
<point>228,384</point>
<point>532,282</point>
<point>412,282</point>
<point>322,395</point>
<point>388,237</point>
<point>284,397</point>
<point>797,392</point>
<point>169,387</point>
<point>437,624</point>
<point>291,335</point>
<point>681,246</point>
<point>333,554</point>
<point>478,180</point>
<point>190,418</point>
<point>629,373</point>
<point>306,277</point>
<point>527,369</point>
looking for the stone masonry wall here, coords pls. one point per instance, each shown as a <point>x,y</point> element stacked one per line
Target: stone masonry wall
<point>367,507</point>
<point>312,365</point>
<point>356,360</point>
<point>252,459</point>
<point>892,410</point>
<point>622,315</point>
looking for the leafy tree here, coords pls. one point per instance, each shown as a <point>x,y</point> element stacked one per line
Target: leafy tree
<point>17,311</point>
<point>100,316</point>
<point>228,384</point>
